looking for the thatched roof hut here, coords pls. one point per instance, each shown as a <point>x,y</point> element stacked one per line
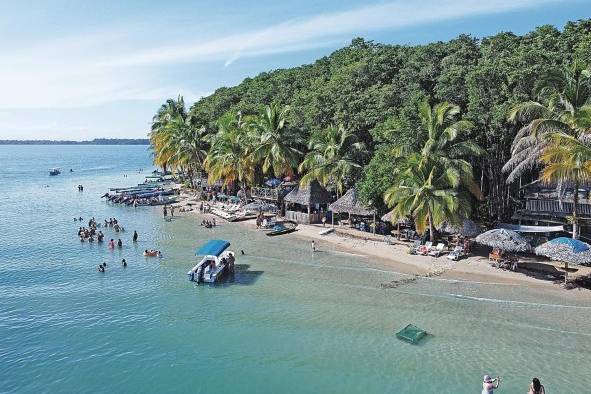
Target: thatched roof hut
<point>468,228</point>
<point>307,204</point>
<point>309,195</point>
<point>349,203</point>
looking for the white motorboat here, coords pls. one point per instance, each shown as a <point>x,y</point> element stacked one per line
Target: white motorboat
<point>216,262</point>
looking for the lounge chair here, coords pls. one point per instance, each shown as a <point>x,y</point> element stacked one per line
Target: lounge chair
<point>425,249</point>
<point>456,253</point>
<point>437,251</point>
<point>414,247</point>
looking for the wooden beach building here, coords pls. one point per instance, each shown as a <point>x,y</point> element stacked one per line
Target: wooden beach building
<point>307,204</point>
<point>349,203</point>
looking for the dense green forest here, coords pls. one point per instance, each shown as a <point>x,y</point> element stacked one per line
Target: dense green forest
<point>373,91</point>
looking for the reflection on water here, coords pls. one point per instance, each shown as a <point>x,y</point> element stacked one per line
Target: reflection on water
<point>289,321</point>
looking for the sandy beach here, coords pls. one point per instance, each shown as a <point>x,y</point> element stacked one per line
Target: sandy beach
<point>531,271</point>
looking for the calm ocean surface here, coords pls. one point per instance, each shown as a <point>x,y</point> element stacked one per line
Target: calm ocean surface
<point>291,322</point>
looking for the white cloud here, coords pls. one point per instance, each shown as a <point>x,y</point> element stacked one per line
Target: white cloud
<point>115,64</point>
<point>306,33</point>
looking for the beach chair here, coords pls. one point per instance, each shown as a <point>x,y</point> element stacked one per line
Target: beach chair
<point>414,247</point>
<point>425,249</point>
<point>437,251</point>
<point>456,253</point>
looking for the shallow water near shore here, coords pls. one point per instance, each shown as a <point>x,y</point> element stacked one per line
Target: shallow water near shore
<point>290,321</point>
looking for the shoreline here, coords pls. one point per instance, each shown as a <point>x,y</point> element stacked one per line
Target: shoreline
<point>394,258</point>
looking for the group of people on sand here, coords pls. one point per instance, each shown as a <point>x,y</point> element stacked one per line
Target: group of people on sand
<point>207,224</point>
<point>489,385</point>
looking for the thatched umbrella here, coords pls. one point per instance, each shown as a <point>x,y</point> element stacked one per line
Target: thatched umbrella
<point>402,221</point>
<point>566,250</point>
<point>467,229</point>
<point>387,217</point>
<point>505,240</point>
<point>349,203</point>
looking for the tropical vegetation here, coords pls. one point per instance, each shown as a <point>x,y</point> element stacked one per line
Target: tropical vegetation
<point>436,132</point>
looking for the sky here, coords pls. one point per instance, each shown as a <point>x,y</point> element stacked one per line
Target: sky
<point>80,70</point>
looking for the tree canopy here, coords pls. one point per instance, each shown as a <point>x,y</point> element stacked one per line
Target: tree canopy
<point>373,90</point>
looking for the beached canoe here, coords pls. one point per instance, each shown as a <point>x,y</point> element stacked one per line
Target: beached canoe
<point>282,228</point>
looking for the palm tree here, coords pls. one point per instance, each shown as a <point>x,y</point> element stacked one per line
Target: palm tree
<point>564,107</point>
<point>567,159</point>
<point>562,116</point>
<point>186,144</point>
<point>171,109</point>
<point>277,146</point>
<point>230,156</point>
<point>331,157</point>
<point>432,180</point>
<point>427,194</point>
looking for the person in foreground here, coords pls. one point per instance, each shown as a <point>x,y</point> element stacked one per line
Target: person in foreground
<point>535,387</point>
<point>489,384</point>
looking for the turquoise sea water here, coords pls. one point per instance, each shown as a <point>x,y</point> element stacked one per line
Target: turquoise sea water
<point>291,322</point>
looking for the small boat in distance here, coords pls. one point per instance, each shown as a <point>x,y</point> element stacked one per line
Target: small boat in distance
<point>282,228</point>
<point>54,171</point>
<point>217,262</point>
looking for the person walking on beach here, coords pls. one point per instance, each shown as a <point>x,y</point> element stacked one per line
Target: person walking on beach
<point>134,236</point>
<point>172,210</point>
<point>489,384</point>
<point>535,387</point>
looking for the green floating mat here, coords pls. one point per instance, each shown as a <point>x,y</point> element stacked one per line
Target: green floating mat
<point>412,334</point>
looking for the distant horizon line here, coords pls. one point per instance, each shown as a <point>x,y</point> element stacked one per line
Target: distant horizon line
<point>95,141</point>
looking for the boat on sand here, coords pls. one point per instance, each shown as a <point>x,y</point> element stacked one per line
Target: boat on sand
<point>282,228</point>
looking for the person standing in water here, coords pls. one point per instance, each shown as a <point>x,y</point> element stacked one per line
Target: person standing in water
<point>489,384</point>
<point>165,211</point>
<point>119,243</point>
<point>536,387</point>
<point>134,236</point>
<point>313,246</point>
<point>124,263</point>
<point>172,210</point>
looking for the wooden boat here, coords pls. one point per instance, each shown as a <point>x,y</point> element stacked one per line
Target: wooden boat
<point>282,228</point>
<point>242,218</point>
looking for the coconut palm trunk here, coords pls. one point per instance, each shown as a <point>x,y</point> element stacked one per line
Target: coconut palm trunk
<point>575,218</point>
<point>431,227</point>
